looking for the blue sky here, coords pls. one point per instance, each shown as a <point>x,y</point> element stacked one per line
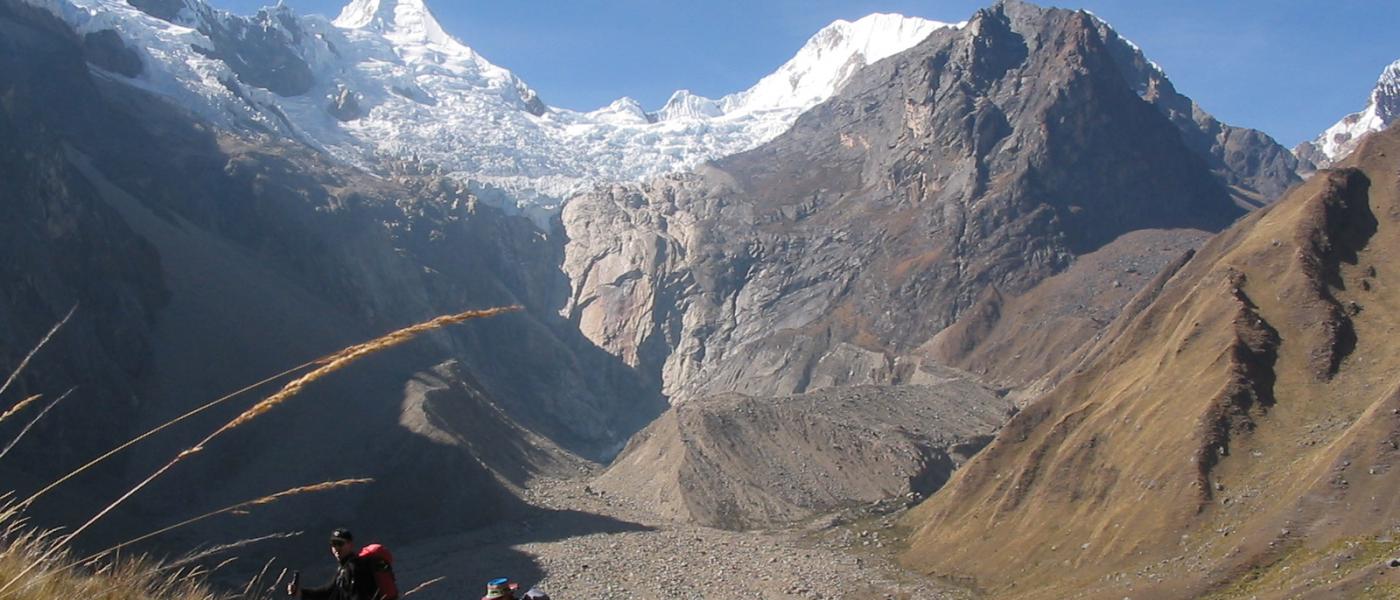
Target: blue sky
<point>1288,67</point>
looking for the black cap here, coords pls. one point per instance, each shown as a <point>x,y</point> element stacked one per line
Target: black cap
<point>342,534</point>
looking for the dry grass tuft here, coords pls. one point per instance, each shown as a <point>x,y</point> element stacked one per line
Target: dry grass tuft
<point>48,573</point>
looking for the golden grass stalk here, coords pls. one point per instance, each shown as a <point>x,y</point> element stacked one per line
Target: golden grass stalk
<point>32,422</point>
<point>24,363</point>
<point>296,491</point>
<point>19,407</point>
<point>221,548</point>
<point>277,583</point>
<point>224,563</point>
<point>335,363</point>
<point>256,580</point>
<point>421,587</point>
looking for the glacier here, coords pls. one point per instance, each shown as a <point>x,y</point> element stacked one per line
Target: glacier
<point>389,86</point>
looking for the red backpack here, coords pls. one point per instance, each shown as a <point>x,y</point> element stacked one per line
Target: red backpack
<point>383,564</point>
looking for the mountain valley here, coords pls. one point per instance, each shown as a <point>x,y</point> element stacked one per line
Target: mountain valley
<point>936,310</point>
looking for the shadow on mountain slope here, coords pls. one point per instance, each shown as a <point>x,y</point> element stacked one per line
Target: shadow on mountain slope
<point>202,262</point>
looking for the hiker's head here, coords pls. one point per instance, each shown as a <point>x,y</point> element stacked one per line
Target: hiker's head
<point>342,544</point>
<point>497,589</point>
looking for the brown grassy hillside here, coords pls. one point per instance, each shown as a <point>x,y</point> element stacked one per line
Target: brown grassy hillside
<point>1236,437</point>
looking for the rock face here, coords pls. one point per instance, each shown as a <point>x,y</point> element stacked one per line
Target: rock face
<point>201,262</point>
<point>1342,138</point>
<point>344,105</point>
<point>56,234</point>
<point>736,462</point>
<point>1010,342</point>
<point>1254,166</point>
<point>1229,435</point>
<point>986,158</point>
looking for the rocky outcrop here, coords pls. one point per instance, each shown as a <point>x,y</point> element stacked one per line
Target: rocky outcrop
<point>987,157</point>
<point>345,105</point>
<point>1229,438</point>
<point>168,10</point>
<point>533,104</point>
<point>262,50</point>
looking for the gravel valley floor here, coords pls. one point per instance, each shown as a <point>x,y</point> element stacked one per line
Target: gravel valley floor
<point>583,544</point>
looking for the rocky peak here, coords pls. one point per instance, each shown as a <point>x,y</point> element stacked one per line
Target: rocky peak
<point>1256,168</point>
<point>1386,96</point>
<point>1342,138</point>
<point>417,38</point>
<point>991,47</point>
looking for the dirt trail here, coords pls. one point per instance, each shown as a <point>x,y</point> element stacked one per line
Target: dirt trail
<point>583,544</point>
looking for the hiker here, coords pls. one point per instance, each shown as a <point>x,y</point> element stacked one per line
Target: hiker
<point>363,573</point>
<point>504,589</point>
<point>500,589</point>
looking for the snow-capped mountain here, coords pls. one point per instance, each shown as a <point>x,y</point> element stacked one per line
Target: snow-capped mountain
<point>385,80</point>
<point>1340,139</point>
<point>827,61</point>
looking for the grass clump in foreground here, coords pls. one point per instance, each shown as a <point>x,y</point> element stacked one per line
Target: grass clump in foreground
<point>38,564</point>
<point>51,573</point>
